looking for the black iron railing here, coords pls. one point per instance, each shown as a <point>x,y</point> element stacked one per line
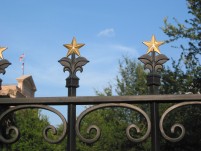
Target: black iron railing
<point>100,103</point>
<point>71,126</point>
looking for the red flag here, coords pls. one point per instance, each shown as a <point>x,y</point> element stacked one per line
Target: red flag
<point>22,57</point>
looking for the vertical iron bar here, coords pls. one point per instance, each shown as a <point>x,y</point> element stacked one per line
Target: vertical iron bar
<point>71,139</point>
<point>155,124</point>
<point>154,83</point>
<point>155,127</point>
<point>72,84</point>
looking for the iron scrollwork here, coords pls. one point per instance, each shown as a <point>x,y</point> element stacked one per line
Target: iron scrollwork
<point>73,65</point>
<point>177,125</point>
<point>98,131</point>
<point>45,131</point>
<point>153,64</point>
<point>3,65</point>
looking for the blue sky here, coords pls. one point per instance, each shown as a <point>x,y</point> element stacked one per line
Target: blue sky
<point>108,28</point>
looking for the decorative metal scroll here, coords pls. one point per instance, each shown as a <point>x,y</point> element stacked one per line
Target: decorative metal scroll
<point>3,65</point>
<point>45,131</point>
<point>73,65</point>
<point>177,125</point>
<point>98,131</point>
<point>153,63</point>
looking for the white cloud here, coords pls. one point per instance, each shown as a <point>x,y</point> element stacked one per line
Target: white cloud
<point>107,33</point>
<point>126,49</point>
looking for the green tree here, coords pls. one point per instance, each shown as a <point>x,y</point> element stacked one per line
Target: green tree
<point>175,80</point>
<point>190,30</point>
<point>31,123</point>
<point>132,78</point>
<point>113,123</point>
<point>186,79</point>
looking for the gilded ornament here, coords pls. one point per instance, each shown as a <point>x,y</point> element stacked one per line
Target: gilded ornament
<point>153,45</point>
<point>1,52</point>
<point>73,48</point>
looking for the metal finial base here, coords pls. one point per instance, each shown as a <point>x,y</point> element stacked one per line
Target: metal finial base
<point>72,82</point>
<point>153,79</point>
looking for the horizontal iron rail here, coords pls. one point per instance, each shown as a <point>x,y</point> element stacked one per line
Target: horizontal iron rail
<point>101,99</point>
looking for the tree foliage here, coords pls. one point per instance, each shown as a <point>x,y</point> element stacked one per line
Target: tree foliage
<point>177,81</point>
<point>113,123</point>
<point>31,123</point>
<point>190,30</point>
<point>132,78</point>
<point>184,80</point>
<point>190,76</point>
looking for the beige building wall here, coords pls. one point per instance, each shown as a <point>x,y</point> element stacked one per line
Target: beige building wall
<point>25,88</point>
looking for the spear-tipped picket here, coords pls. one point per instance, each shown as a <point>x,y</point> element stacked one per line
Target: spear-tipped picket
<point>72,65</point>
<point>154,63</point>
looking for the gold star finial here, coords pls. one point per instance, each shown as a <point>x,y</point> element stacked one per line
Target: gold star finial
<point>1,50</point>
<point>73,48</point>
<point>153,45</point>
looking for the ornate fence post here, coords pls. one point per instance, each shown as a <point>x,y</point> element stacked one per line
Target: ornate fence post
<point>154,63</point>
<point>72,82</point>
<point>3,63</point>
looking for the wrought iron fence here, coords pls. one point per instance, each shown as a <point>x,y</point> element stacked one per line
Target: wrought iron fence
<point>99,103</point>
<point>71,126</point>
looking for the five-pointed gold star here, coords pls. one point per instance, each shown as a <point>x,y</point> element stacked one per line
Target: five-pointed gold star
<point>153,45</point>
<point>1,50</point>
<point>73,48</point>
